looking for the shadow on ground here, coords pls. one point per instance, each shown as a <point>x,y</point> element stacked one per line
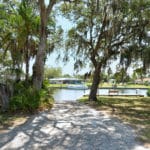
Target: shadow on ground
<point>71,126</point>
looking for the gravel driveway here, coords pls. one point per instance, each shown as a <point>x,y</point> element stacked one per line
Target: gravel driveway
<point>71,126</point>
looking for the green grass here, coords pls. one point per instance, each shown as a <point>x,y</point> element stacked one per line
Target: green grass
<point>103,85</point>
<point>137,86</point>
<point>57,85</point>
<point>132,110</point>
<point>124,86</point>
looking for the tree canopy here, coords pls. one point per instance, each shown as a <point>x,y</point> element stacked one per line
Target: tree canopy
<point>108,30</point>
<point>103,31</point>
<point>51,72</point>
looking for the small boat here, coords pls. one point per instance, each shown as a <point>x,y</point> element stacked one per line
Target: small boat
<point>77,86</point>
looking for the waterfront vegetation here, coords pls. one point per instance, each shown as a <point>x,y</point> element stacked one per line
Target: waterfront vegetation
<point>132,110</point>
<point>28,36</point>
<point>57,85</point>
<point>28,99</point>
<point>105,85</point>
<point>94,40</point>
<point>126,85</point>
<point>148,92</point>
<point>25,102</point>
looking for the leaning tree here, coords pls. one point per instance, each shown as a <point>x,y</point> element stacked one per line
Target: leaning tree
<point>46,34</point>
<point>104,31</point>
<point>38,68</point>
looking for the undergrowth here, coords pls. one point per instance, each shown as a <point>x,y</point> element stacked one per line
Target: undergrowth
<point>27,99</point>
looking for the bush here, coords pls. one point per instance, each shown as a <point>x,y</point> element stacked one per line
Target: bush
<point>27,99</point>
<point>148,92</point>
<point>146,83</point>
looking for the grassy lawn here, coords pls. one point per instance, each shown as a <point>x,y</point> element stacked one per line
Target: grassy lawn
<point>103,85</point>
<point>124,86</point>
<point>138,86</point>
<point>109,85</point>
<point>132,110</point>
<point>57,85</point>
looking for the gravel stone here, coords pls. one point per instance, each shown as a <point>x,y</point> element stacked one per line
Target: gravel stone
<point>71,126</point>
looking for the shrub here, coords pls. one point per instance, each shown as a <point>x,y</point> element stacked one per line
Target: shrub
<point>27,99</point>
<point>148,92</point>
<point>146,83</point>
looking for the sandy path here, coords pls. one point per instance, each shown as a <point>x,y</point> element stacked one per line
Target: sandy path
<point>70,126</point>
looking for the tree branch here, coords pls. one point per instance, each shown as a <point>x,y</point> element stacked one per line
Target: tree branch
<point>101,32</point>
<point>50,6</point>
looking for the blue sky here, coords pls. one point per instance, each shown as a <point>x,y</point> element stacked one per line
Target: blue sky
<point>67,68</point>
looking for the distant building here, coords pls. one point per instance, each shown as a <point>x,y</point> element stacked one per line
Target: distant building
<point>65,81</point>
<point>141,81</point>
<point>71,83</point>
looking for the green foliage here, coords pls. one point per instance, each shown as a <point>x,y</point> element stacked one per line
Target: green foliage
<point>146,83</point>
<point>67,76</point>
<point>52,72</point>
<point>5,67</point>
<point>121,76</point>
<point>148,92</point>
<point>27,99</point>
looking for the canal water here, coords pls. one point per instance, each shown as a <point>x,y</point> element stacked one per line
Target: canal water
<point>61,95</point>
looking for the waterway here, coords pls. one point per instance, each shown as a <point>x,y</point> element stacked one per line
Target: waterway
<point>61,95</point>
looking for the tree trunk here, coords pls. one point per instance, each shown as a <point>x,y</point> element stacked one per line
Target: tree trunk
<point>5,94</point>
<point>27,61</point>
<point>38,67</point>
<point>27,70</point>
<point>18,73</point>
<point>95,84</point>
